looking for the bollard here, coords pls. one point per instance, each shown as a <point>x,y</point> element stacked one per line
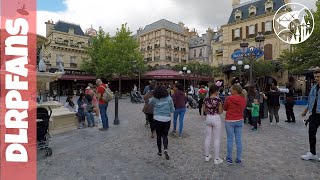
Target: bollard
<point>116,118</point>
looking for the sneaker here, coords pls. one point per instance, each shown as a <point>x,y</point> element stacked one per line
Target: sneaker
<point>103,129</point>
<point>159,154</point>
<point>260,125</point>
<point>173,132</point>
<point>217,161</point>
<point>180,137</point>
<point>238,161</point>
<point>271,123</point>
<point>208,158</point>
<point>228,160</point>
<point>287,121</point>
<point>277,123</point>
<point>166,154</point>
<point>309,156</point>
<point>80,127</point>
<point>253,129</point>
<point>152,135</point>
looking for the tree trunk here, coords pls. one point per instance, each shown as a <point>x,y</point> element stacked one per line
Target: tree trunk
<point>120,77</point>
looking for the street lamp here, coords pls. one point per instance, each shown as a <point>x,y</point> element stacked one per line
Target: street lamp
<point>240,63</point>
<point>184,72</point>
<point>251,54</point>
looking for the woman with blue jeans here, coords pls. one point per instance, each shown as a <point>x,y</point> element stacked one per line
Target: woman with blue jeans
<point>234,105</point>
<point>179,101</point>
<point>162,109</point>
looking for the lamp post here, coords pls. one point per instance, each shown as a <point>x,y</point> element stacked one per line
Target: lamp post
<point>240,63</point>
<point>184,72</point>
<point>251,54</point>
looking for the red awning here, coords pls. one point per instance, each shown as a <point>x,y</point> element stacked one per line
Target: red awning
<point>77,77</point>
<point>163,73</point>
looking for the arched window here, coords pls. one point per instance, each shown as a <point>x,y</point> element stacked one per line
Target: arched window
<point>269,6</point>
<point>268,52</point>
<point>238,15</point>
<point>252,10</point>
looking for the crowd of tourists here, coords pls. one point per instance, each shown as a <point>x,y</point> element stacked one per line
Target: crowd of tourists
<point>241,104</point>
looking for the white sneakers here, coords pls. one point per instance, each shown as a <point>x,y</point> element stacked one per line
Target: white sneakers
<point>215,161</point>
<point>208,158</point>
<point>310,156</point>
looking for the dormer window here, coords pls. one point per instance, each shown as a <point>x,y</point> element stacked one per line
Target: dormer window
<point>71,31</point>
<point>252,10</point>
<point>238,15</point>
<point>269,6</point>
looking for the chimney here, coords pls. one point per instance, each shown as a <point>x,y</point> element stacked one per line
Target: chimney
<point>139,30</point>
<point>235,3</point>
<point>49,27</point>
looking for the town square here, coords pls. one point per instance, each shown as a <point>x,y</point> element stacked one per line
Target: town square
<point>165,90</point>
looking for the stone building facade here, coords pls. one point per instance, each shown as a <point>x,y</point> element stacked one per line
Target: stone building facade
<point>67,44</point>
<point>200,48</point>
<point>245,22</point>
<point>164,43</point>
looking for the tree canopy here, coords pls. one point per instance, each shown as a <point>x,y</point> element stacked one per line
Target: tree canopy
<point>307,54</point>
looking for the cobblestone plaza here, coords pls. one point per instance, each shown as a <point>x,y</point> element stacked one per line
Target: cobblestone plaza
<point>127,151</point>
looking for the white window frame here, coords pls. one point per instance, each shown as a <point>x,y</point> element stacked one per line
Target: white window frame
<point>252,30</point>
<point>237,33</point>
<point>268,29</point>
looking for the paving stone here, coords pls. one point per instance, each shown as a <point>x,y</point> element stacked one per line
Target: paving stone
<point>126,151</point>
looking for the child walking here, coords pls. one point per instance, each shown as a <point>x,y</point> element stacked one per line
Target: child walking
<point>255,113</point>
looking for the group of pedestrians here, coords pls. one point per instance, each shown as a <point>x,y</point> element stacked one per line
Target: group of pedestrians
<point>159,106</point>
<point>90,102</point>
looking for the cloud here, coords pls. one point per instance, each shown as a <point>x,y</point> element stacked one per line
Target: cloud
<point>199,14</point>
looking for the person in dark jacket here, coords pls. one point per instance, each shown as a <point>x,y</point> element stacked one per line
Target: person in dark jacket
<point>251,95</point>
<point>148,108</point>
<point>289,104</point>
<point>273,103</point>
<point>179,101</point>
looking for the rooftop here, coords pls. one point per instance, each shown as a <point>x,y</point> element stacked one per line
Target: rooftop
<point>163,23</point>
<point>259,4</point>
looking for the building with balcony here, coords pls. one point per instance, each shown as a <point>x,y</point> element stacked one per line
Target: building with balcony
<point>200,47</point>
<point>164,43</point>
<point>245,22</point>
<point>67,44</point>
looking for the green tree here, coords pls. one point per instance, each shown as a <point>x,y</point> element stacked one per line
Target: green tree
<point>100,62</point>
<point>126,54</point>
<point>306,54</point>
<point>118,55</point>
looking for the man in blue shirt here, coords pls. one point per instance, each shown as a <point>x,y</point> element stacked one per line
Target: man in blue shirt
<point>314,119</point>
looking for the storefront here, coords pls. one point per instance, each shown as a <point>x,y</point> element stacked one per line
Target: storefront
<point>71,81</point>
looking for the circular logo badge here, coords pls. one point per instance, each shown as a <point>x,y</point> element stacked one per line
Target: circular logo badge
<point>293,23</point>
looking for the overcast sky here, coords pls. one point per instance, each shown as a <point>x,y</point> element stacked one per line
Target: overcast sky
<point>110,14</point>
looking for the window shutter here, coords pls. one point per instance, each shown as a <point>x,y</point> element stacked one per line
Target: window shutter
<point>232,34</point>
<point>263,27</point>
<point>247,32</point>
<point>241,33</point>
<point>256,28</point>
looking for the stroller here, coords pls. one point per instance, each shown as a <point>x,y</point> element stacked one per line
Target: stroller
<point>192,102</point>
<point>43,136</point>
<point>136,97</point>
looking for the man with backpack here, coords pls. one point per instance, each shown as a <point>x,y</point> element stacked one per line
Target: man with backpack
<point>103,105</point>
